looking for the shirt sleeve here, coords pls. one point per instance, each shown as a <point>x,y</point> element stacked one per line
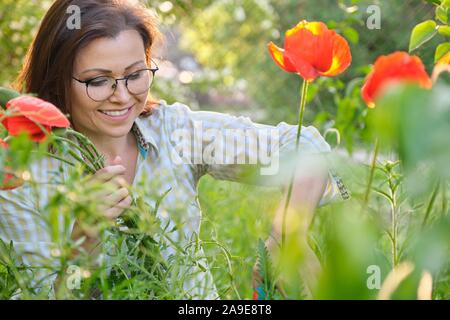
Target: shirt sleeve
<point>235,148</point>
<point>25,223</point>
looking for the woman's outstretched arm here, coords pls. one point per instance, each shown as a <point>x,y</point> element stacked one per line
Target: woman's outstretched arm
<point>309,186</point>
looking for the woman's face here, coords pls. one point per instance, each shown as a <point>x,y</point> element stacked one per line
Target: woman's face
<point>117,58</point>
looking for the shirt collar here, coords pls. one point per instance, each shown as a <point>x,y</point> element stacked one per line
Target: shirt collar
<point>144,137</point>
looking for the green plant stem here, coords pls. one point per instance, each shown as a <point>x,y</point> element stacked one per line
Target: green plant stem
<point>51,155</point>
<point>431,203</point>
<point>297,142</point>
<point>78,158</point>
<point>371,174</point>
<point>83,151</point>
<point>394,231</point>
<point>86,141</point>
<point>394,221</point>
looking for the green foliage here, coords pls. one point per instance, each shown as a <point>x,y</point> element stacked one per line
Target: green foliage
<point>422,33</point>
<point>19,20</point>
<point>5,96</point>
<point>267,272</point>
<point>441,50</point>
<point>427,30</point>
<point>229,39</point>
<point>415,121</point>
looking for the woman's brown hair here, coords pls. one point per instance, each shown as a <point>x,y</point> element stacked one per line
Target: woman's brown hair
<point>48,66</point>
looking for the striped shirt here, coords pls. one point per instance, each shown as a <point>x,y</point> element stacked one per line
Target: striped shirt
<point>177,147</point>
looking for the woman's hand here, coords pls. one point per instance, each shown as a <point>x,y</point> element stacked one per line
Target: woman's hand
<point>114,198</point>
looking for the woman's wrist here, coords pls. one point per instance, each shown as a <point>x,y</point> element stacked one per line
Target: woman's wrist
<point>91,238</point>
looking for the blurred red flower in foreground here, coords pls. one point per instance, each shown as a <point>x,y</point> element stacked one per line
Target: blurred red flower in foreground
<point>311,50</point>
<point>32,110</point>
<point>8,181</point>
<point>393,68</point>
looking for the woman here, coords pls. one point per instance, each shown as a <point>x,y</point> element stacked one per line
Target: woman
<point>100,75</point>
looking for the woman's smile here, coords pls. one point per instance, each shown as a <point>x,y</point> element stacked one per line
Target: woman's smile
<point>116,114</point>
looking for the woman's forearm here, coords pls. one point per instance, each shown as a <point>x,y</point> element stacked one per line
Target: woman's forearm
<point>308,189</point>
<point>307,192</point>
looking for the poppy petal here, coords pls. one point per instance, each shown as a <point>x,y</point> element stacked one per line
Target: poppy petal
<point>312,50</point>
<point>39,110</point>
<point>315,27</point>
<point>280,59</point>
<point>445,59</point>
<point>301,45</point>
<point>342,57</point>
<point>324,51</point>
<point>307,50</point>
<point>396,67</point>
<point>322,44</point>
<point>367,91</point>
<point>438,69</point>
<point>305,69</point>
<point>18,124</point>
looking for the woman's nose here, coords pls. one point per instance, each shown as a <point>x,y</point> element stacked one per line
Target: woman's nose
<point>121,93</point>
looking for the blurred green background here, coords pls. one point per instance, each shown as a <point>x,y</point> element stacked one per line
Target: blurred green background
<point>215,54</point>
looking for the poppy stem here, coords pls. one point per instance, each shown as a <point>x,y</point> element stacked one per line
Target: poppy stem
<point>431,203</point>
<point>51,155</point>
<point>304,94</point>
<point>371,174</point>
<point>88,145</point>
<point>84,151</point>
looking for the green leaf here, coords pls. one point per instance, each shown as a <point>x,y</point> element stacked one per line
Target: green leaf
<point>444,30</point>
<point>351,34</point>
<point>441,50</point>
<point>422,33</point>
<point>6,95</point>
<point>441,14</point>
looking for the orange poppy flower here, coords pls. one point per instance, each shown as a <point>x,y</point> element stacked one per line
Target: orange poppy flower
<point>445,59</point>
<point>443,65</point>
<point>33,110</point>
<point>8,181</point>
<point>393,68</point>
<point>311,50</point>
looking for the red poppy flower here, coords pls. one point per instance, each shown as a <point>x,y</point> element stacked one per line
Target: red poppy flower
<point>8,181</point>
<point>33,110</point>
<point>445,59</point>
<point>311,50</point>
<point>443,65</point>
<point>396,67</point>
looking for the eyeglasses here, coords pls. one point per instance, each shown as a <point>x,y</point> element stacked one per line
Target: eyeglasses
<point>103,87</point>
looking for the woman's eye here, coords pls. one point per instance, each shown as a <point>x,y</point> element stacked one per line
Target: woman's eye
<point>135,75</point>
<point>99,82</point>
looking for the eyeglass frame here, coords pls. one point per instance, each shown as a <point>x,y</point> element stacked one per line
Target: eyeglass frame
<point>86,82</point>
